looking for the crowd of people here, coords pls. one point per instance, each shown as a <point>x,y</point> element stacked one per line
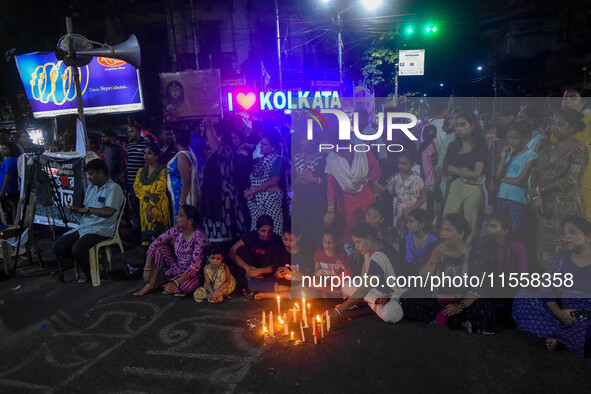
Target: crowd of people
<point>260,208</point>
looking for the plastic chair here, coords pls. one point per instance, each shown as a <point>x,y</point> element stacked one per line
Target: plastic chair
<point>94,251</point>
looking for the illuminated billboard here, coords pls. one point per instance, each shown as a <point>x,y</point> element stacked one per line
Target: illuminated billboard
<point>108,86</point>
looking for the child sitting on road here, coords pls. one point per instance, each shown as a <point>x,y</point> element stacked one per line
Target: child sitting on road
<point>219,282</point>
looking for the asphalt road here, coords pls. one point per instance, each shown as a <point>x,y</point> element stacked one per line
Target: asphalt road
<point>70,338</point>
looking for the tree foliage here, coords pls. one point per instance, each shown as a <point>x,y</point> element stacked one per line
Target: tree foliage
<point>380,62</point>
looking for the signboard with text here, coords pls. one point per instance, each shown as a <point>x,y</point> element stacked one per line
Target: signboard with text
<point>108,86</point>
<point>411,62</point>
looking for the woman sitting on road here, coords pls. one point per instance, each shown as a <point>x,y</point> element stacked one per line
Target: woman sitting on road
<point>458,306</point>
<point>562,314</point>
<point>183,260</point>
<point>381,261</point>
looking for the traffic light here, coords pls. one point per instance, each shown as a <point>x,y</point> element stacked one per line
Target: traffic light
<point>409,30</point>
<point>431,29</point>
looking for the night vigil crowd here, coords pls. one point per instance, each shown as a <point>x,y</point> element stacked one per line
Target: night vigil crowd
<point>253,207</point>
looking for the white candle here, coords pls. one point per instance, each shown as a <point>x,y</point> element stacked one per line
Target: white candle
<point>264,323</point>
<point>327,322</point>
<point>314,332</point>
<point>285,328</point>
<point>319,319</point>
<point>278,306</point>
<point>302,330</point>
<point>271,328</point>
<point>304,314</point>
<point>294,314</point>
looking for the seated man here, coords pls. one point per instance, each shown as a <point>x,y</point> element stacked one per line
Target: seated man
<point>103,201</point>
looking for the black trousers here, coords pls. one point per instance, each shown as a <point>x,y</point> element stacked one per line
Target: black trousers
<point>72,245</point>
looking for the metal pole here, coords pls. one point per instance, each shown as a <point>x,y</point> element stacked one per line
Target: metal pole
<point>340,46</point>
<point>76,74</point>
<point>278,47</point>
<point>195,50</point>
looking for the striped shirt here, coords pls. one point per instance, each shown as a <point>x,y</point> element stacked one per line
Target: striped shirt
<point>135,159</point>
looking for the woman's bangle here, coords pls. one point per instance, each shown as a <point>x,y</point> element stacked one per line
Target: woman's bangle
<point>148,269</point>
<point>319,180</point>
<point>534,197</point>
<point>337,311</point>
<point>176,283</point>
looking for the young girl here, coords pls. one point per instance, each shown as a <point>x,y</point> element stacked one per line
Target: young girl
<point>408,189</point>
<point>329,261</point>
<point>219,282</point>
<point>429,163</point>
<point>418,237</point>
<point>513,172</point>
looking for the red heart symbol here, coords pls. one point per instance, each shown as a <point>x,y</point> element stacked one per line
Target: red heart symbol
<point>246,100</point>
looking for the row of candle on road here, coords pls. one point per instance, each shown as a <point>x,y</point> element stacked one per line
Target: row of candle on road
<point>317,323</point>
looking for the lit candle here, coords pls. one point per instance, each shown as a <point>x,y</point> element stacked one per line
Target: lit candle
<point>285,325</point>
<point>278,306</point>
<point>264,323</point>
<point>294,314</point>
<point>319,320</point>
<point>302,330</point>
<point>304,316</point>
<point>327,322</point>
<point>314,332</point>
<point>291,339</point>
<point>271,328</point>
<point>309,310</point>
<point>264,332</point>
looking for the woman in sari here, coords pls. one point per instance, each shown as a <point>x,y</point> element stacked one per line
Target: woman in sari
<point>562,314</point>
<point>150,189</point>
<point>556,181</point>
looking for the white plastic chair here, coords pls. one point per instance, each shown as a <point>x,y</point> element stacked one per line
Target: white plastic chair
<point>94,251</point>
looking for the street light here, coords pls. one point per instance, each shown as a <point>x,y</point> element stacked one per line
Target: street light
<point>369,5</point>
<point>479,68</point>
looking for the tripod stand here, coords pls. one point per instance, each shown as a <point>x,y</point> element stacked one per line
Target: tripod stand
<point>40,175</point>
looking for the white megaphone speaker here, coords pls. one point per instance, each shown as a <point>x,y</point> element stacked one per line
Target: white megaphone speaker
<point>81,51</point>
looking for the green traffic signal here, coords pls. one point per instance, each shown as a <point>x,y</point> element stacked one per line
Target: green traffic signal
<point>431,29</point>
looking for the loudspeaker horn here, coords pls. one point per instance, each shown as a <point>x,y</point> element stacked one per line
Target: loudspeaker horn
<point>128,51</point>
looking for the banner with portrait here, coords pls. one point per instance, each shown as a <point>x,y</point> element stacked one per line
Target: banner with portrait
<point>190,94</point>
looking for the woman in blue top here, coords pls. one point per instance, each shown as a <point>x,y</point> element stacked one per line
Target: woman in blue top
<point>183,181</point>
<point>419,236</point>
<point>513,172</point>
<point>265,195</point>
<point>9,192</point>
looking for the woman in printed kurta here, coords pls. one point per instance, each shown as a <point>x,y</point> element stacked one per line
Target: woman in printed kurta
<point>265,196</point>
<point>183,260</point>
<point>221,207</point>
<point>150,189</point>
<point>548,313</point>
<point>555,185</point>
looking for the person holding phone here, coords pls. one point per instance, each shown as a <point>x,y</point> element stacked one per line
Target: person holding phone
<point>102,204</point>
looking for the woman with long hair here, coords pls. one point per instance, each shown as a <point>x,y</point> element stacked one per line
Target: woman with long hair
<point>465,161</point>
<point>183,180</point>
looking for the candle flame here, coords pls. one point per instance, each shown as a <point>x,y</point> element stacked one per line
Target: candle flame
<point>318,318</point>
<point>264,330</point>
<point>292,335</point>
<point>278,298</point>
<point>297,306</point>
<point>280,320</point>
